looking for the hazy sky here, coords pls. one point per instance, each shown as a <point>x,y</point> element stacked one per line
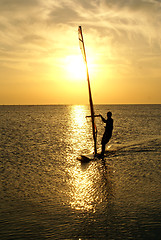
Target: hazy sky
<point>40,59</point>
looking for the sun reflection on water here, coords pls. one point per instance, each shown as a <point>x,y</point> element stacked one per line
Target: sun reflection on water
<point>79,128</point>
<point>86,186</point>
<point>89,186</point>
<point>78,114</point>
<point>82,189</point>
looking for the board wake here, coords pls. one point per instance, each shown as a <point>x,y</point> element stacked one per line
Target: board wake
<point>89,157</point>
<point>92,157</point>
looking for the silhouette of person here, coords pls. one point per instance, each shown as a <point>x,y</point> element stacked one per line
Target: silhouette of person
<point>108,131</point>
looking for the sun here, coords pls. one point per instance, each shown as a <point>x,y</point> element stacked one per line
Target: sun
<point>75,67</point>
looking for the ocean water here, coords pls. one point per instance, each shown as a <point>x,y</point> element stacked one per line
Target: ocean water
<point>47,193</point>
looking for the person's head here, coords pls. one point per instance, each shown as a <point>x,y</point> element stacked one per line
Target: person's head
<point>109,114</point>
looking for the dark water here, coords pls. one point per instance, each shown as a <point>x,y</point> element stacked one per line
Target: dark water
<point>46,193</point>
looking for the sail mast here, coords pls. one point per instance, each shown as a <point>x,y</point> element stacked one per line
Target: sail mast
<point>82,46</point>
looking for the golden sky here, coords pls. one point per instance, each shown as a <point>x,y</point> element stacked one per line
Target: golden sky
<point>40,59</point>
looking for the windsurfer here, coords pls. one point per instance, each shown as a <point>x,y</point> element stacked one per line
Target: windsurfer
<point>108,131</point>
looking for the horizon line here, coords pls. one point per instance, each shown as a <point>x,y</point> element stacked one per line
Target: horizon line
<point>70,104</point>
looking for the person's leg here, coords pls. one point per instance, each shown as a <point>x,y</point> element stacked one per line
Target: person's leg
<point>105,140</point>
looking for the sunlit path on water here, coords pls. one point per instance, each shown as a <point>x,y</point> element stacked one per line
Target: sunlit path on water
<point>87,187</point>
<point>83,192</point>
<point>79,129</point>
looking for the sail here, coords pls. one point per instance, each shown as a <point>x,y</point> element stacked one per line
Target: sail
<point>94,129</point>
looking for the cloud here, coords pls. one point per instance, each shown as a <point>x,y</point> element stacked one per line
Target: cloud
<point>114,17</point>
<point>147,6</point>
<point>14,5</point>
<point>39,26</point>
<point>63,14</point>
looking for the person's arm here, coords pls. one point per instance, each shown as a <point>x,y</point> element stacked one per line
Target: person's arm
<point>103,119</point>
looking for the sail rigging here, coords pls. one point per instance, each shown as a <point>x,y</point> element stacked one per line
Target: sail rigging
<point>94,129</point>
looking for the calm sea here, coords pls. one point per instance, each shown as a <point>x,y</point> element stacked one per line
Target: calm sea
<point>46,193</point>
